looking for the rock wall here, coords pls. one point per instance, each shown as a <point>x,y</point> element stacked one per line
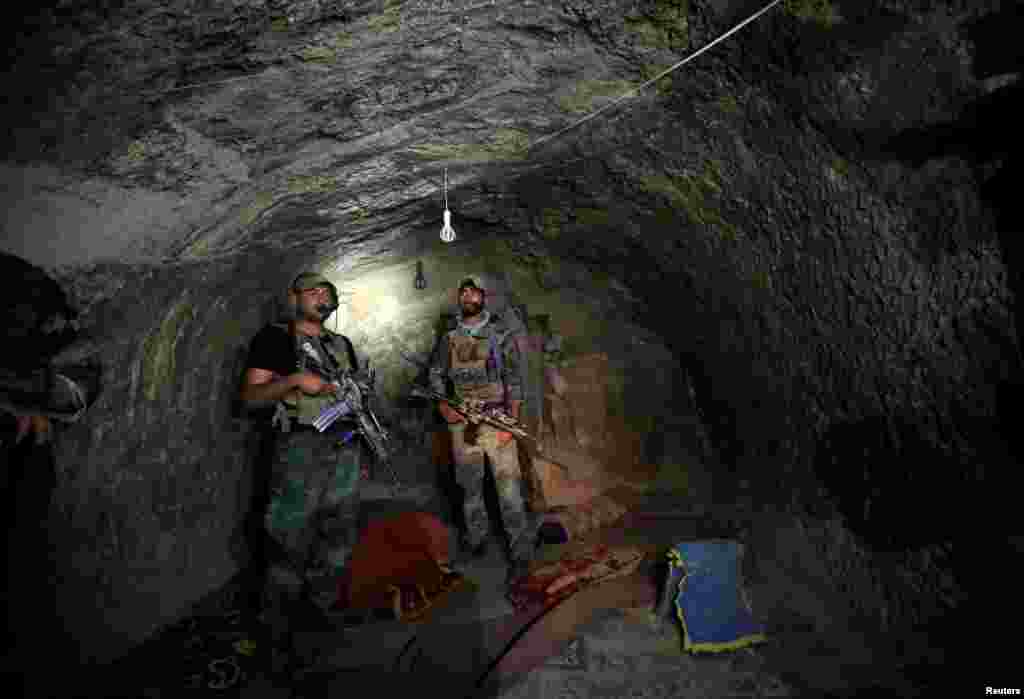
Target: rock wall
<point>155,483</point>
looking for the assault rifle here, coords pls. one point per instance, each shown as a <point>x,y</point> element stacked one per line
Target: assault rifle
<point>476,413</point>
<point>353,399</point>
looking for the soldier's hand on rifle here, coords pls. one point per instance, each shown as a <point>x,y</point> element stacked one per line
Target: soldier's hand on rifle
<point>450,415</point>
<point>514,408</point>
<point>313,384</point>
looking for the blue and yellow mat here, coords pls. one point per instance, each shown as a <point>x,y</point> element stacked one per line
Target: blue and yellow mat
<point>709,601</point>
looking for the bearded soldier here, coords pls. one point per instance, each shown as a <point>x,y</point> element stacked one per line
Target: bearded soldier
<point>313,512</point>
<point>481,359</point>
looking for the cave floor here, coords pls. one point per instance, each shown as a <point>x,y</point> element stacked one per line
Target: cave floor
<point>607,643</point>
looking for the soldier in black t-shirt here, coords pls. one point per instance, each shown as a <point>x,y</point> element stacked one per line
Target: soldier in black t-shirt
<point>314,503</point>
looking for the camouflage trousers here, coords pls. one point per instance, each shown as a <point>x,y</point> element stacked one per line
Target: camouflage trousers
<point>471,452</point>
<point>313,515</point>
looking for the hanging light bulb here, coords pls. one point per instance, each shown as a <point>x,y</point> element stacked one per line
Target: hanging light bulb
<point>421,281</point>
<point>447,232</point>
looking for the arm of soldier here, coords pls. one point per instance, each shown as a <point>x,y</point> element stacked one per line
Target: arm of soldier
<point>262,388</point>
<point>512,374</point>
<point>511,378</point>
<point>437,373</point>
<point>437,369</point>
<point>515,407</point>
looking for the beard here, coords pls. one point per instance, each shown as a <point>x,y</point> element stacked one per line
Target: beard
<point>302,312</point>
<point>471,310</point>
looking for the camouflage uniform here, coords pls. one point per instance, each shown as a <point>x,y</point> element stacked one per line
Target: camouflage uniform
<point>314,505</point>
<point>483,363</point>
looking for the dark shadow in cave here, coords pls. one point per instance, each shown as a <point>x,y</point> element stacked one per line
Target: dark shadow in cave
<point>718,416</point>
<point>38,320</point>
<point>984,136</point>
<point>802,47</point>
<point>895,489</point>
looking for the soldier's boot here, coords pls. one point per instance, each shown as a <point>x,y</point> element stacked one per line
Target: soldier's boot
<point>323,589</point>
<point>473,544</point>
<point>330,567</point>
<point>517,568</point>
<point>520,555</point>
<point>281,591</point>
<point>522,550</point>
<point>337,535</point>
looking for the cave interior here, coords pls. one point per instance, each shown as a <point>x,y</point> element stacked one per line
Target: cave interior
<point>774,289</point>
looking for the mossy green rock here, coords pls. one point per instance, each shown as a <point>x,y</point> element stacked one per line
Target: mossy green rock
<point>581,96</point>
<point>386,22</point>
<point>821,12</point>
<point>552,223</point>
<point>664,84</point>
<point>591,217</point>
<point>158,363</point>
<point>671,478</point>
<point>689,194</point>
<point>319,54</point>
<point>136,151</point>
<point>666,26</point>
<point>300,184</point>
<point>728,104</point>
<point>507,144</point>
<point>263,201</point>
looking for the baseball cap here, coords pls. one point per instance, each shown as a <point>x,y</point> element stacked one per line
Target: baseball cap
<point>474,281</point>
<point>311,280</point>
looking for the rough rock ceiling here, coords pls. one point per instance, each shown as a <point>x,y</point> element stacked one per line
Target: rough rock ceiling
<point>336,118</point>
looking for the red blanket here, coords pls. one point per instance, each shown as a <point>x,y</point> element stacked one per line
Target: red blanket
<point>400,563</point>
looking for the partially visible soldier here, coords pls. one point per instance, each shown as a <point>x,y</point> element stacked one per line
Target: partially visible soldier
<point>481,358</point>
<point>314,497</point>
<point>37,323</point>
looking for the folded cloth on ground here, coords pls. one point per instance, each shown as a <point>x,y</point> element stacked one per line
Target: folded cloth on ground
<point>710,601</point>
<point>551,583</point>
<point>575,522</point>
<point>399,563</point>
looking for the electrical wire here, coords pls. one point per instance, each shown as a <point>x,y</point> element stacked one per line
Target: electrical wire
<point>659,76</point>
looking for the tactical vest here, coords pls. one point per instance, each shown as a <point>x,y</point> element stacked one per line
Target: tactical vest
<point>471,359</point>
<point>329,355</point>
